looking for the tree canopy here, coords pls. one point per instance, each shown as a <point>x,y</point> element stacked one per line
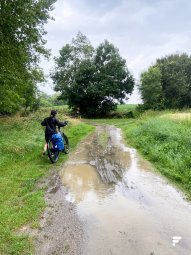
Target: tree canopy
<point>94,80</point>
<point>167,84</point>
<point>21,45</point>
<point>151,88</point>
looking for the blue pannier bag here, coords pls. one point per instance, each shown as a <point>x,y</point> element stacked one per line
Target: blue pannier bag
<point>57,141</point>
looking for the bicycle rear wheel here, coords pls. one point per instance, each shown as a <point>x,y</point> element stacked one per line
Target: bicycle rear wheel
<point>52,154</point>
<point>66,143</point>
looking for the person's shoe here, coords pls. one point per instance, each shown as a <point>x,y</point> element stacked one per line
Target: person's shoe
<point>44,153</point>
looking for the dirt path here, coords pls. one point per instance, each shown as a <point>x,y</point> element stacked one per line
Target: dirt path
<point>114,204</point>
<point>60,231</point>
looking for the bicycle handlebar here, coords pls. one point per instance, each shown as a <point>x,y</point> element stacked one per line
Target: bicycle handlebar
<point>65,124</point>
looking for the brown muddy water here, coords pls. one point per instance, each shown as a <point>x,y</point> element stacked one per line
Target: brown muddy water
<point>124,206</point>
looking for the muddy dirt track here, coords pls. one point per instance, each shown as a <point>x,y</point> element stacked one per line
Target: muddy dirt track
<point>107,200</point>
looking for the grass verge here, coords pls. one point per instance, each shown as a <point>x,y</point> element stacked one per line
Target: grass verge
<point>21,167</point>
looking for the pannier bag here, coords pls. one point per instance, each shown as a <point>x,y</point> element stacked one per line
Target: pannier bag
<point>57,141</point>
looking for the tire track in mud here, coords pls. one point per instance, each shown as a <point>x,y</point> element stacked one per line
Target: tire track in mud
<point>108,159</point>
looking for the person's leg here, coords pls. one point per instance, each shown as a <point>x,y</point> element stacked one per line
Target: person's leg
<point>45,149</point>
<point>45,146</point>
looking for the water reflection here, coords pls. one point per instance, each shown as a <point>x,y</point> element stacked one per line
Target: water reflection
<point>84,182</point>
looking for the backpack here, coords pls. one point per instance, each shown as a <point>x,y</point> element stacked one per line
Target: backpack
<point>57,141</point>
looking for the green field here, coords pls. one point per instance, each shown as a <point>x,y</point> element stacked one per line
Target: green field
<point>21,167</point>
<point>126,107</point>
<point>124,111</point>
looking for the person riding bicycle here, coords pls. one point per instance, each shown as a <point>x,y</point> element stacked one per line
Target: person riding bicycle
<point>51,124</point>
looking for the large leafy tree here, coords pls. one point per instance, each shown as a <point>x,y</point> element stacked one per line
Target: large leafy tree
<point>171,88</point>
<point>176,80</point>
<point>69,63</point>
<point>151,88</point>
<point>21,45</point>
<point>113,80</point>
<point>94,80</point>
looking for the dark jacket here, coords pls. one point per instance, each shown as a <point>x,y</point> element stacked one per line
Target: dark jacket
<point>51,123</point>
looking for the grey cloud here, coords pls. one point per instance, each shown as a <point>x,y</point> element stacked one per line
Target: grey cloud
<point>96,7</point>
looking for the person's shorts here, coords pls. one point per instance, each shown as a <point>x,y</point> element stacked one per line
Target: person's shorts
<point>48,137</point>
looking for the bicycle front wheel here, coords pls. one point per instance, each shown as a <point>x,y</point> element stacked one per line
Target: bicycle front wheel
<point>66,144</point>
<point>52,154</point>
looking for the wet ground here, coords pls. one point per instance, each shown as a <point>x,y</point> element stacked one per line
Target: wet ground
<point>119,204</point>
<point>60,231</point>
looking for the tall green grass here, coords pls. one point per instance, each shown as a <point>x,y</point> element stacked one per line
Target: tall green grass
<point>21,167</point>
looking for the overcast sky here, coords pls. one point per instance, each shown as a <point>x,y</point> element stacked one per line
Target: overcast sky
<point>143,30</point>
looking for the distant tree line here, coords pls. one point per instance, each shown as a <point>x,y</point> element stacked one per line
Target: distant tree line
<point>167,84</point>
<point>21,45</point>
<point>50,100</point>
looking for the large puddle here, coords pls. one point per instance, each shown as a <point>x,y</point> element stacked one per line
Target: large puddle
<point>124,206</point>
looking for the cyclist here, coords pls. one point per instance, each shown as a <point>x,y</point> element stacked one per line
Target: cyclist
<point>51,124</point>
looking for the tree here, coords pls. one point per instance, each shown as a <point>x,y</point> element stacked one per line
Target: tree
<point>113,80</point>
<point>176,80</point>
<point>174,83</point>
<point>93,80</point>
<point>68,63</point>
<point>21,45</point>
<point>151,89</point>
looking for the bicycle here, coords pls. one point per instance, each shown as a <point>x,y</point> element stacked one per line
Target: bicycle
<point>53,153</point>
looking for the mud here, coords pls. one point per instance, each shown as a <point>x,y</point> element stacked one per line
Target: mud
<point>60,230</point>
<point>107,200</point>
